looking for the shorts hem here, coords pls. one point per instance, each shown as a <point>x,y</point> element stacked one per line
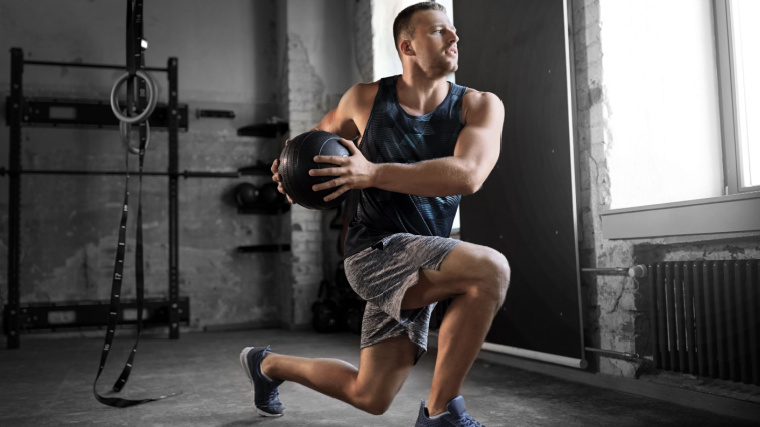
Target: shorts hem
<point>421,349</point>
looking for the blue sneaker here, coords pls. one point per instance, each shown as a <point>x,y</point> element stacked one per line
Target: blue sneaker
<point>455,415</point>
<point>264,394</point>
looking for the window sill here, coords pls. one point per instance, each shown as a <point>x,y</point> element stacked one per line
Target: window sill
<point>725,214</point>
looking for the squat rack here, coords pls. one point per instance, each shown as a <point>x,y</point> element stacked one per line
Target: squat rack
<point>50,112</point>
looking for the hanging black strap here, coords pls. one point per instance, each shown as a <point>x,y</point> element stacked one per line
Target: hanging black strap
<point>139,280</point>
<point>113,310</point>
<point>135,58</point>
<point>116,283</point>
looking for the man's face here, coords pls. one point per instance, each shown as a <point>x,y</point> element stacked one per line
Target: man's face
<point>435,43</point>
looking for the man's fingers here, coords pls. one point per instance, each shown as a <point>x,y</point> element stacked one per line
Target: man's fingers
<point>350,145</point>
<point>326,172</point>
<point>336,193</point>
<point>281,189</point>
<point>275,165</point>
<point>327,184</point>
<point>333,160</point>
<point>344,183</point>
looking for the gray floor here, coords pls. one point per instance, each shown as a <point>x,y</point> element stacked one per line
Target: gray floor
<point>48,382</point>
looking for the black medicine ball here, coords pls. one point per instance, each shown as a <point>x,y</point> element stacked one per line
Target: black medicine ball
<point>298,158</point>
<point>246,195</point>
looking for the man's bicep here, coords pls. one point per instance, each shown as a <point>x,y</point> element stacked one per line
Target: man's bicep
<point>480,139</point>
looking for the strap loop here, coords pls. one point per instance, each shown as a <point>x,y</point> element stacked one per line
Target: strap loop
<point>125,129</point>
<point>152,98</point>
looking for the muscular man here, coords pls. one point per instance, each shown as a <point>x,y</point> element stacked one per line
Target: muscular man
<point>424,142</point>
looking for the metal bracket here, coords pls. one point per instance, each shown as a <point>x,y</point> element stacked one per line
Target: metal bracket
<point>52,112</point>
<point>88,314</point>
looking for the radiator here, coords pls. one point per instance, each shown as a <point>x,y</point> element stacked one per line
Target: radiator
<point>705,318</point>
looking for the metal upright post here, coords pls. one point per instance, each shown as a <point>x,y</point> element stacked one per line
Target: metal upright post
<point>174,311</point>
<point>14,198</point>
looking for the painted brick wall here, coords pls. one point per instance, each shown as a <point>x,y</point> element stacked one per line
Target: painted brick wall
<point>305,109</point>
<point>363,34</point>
<point>322,64</point>
<point>610,308</point>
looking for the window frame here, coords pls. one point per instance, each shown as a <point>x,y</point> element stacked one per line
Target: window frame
<point>732,178</point>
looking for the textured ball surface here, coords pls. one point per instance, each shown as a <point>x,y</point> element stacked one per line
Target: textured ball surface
<point>298,158</point>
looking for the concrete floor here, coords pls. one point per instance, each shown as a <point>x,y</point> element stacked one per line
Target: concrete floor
<point>48,382</point>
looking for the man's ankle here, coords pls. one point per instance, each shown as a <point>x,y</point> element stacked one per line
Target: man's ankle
<point>433,410</point>
<point>266,365</point>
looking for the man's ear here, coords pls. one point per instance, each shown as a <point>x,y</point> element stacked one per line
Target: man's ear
<point>405,47</point>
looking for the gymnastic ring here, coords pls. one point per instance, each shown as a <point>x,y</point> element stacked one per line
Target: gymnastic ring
<point>152,98</point>
<point>125,130</point>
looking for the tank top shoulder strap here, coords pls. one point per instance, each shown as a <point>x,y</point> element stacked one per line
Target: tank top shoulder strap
<point>458,90</point>
<point>387,88</point>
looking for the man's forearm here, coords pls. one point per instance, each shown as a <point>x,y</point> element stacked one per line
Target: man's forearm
<point>447,176</point>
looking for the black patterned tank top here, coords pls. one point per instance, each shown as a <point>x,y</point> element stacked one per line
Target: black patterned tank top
<point>394,136</point>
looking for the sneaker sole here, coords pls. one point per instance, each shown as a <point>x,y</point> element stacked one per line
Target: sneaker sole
<point>246,369</point>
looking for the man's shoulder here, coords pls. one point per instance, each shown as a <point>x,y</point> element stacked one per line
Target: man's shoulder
<point>479,96</point>
<point>363,94</point>
<point>367,90</point>
<point>477,101</point>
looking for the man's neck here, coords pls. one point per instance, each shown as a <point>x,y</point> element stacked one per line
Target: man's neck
<point>419,94</point>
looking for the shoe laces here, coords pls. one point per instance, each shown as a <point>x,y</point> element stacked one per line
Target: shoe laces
<point>467,421</point>
<point>273,395</point>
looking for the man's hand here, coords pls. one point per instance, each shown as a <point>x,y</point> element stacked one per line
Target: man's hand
<point>278,179</point>
<point>352,172</point>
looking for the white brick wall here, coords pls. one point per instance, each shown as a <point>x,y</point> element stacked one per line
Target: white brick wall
<point>308,101</point>
<point>363,35</point>
<point>611,310</point>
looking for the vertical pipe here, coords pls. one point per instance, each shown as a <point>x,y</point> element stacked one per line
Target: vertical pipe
<point>730,319</point>
<point>653,317</point>
<point>720,322</point>
<point>753,273</point>
<point>688,296</point>
<point>740,301</point>
<point>699,308</point>
<point>14,199</point>
<point>671,307</point>
<point>174,315</point>
<point>663,320</point>
<point>710,319</point>
<point>679,315</point>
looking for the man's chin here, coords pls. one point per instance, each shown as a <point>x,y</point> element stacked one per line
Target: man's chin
<point>445,70</point>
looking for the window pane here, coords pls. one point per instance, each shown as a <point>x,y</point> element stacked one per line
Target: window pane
<point>662,127</point>
<point>745,46</point>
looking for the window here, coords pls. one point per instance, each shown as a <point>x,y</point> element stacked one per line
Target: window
<point>682,82</point>
<point>662,119</point>
<point>681,79</point>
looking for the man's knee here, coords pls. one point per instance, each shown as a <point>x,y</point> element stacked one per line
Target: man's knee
<point>374,404</point>
<point>495,273</point>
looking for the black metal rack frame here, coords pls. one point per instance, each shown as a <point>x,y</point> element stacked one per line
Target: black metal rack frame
<point>174,117</point>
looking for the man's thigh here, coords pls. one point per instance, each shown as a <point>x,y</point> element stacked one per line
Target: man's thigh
<point>466,264</point>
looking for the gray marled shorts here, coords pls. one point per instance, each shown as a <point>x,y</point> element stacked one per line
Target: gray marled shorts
<point>382,274</point>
